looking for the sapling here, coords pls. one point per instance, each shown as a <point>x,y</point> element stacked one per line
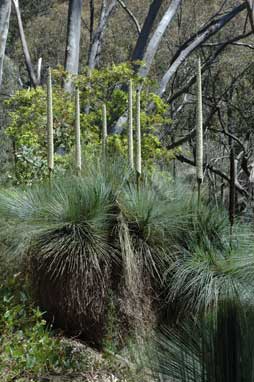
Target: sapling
<point>138,138</point>
<point>77,133</point>
<point>130,127</point>
<point>104,131</point>
<point>50,126</point>
<point>199,131</point>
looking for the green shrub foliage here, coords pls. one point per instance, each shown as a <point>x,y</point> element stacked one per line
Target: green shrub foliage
<point>28,119</point>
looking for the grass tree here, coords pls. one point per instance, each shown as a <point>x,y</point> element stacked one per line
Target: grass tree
<point>50,125</point>
<point>199,130</point>
<point>218,348</point>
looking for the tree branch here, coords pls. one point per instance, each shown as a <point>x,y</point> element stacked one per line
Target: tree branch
<point>194,42</point>
<point>215,170</point>
<point>206,65</point>
<point>131,15</point>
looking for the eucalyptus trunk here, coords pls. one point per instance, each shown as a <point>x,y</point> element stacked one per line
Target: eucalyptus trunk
<point>73,41</point>
<point>5,11</point>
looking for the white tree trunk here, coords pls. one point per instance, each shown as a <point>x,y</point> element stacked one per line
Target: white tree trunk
<point>154,42</point>
<point>95,48</point>
<point>5,11</point>
<point>27,56</point>
<point>73,40</point>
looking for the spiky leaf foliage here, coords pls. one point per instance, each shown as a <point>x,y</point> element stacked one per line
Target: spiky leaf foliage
<point>208,265</point>
<point>216,348</point>
<point>146,215</point>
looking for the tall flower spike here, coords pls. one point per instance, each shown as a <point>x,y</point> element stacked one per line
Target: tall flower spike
<point>104,131</point>
<point>199,129</point>
<point>50,126</point>
<point>77,132</point>
<point>138,136</point>
<point>130,127</point>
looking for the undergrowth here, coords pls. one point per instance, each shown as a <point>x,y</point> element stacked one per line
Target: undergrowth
<point>28,349</point>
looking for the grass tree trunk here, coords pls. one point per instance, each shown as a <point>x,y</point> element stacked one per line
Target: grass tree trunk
<point>199,131</point>
<point>73,41</point>
<point>77,133</point>
<point>104,131</point>
<point>50,125</point>
<point>5,11</point>
<point>138,139</point>
<point>130,126</point>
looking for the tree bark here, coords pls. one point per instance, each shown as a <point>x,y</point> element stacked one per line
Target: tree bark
<point>251,12</point>
<point>95,47</point>
<point>142,41</point>
<point>155,40</point>
<point>5,11</point>
<point>28,61</point>
<point>73,41</point>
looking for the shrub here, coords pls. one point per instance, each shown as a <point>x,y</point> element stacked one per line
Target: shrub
<point>27,347</point>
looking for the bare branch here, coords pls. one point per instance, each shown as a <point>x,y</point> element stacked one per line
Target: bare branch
<point>194,42</point>
<point>131,14</point>
<point>215,170</point>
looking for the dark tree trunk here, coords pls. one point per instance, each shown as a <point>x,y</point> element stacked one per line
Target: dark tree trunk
<point>157,36</point>
<point>142,41</point>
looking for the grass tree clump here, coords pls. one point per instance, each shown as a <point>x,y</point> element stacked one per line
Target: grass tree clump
<point>77,133</point>
<point>199,130</point>
<point>87,241</point>
<point>130,125</point>
<point>50,124</point>
<point>69,249</point>
<point>88,237</point>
